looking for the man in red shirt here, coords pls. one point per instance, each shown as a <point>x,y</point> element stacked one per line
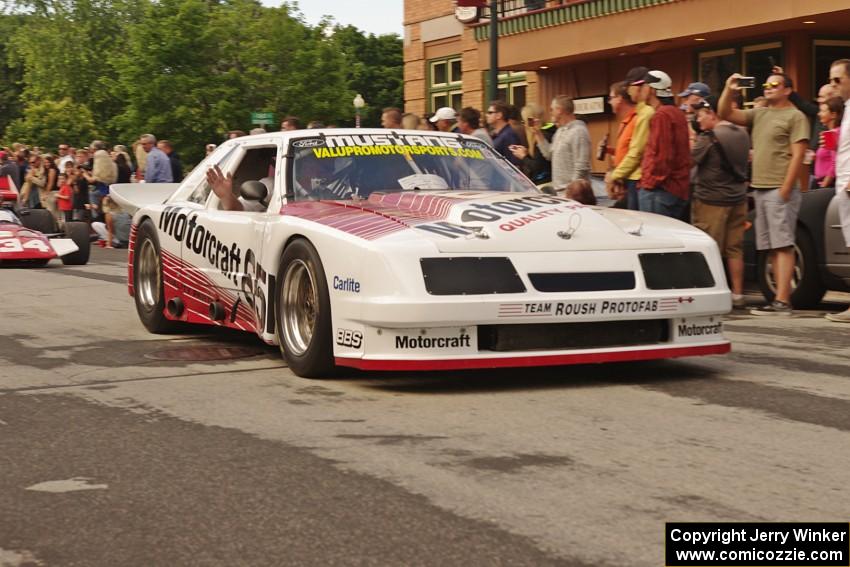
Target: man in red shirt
<point>666,164</point>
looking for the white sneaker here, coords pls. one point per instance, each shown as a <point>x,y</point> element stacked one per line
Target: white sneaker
<point>843,317</point>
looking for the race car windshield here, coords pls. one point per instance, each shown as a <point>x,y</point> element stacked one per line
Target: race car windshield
<point>354,166</point>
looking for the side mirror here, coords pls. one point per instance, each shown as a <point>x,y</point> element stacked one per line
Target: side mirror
<point>548,189</point>
<point>253,191</point>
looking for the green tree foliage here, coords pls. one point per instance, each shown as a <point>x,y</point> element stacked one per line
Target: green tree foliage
<point>67,49</point>
<point>190,70</point>
<point>374,68</point>
<point>49,123</point>
<point>11,74</point>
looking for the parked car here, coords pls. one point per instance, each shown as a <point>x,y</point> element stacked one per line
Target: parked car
<point>822,258</point>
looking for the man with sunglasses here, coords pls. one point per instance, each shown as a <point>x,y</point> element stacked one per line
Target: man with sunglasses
<point>780,135</point>
<point>64,156</point>
<point>839,77</point>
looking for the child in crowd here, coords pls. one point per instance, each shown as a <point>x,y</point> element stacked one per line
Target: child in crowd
<point>582,191</point>
<point>64,200</point>
<point>831,112</point>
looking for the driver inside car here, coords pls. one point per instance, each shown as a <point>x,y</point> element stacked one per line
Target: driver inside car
<point>222,186</point>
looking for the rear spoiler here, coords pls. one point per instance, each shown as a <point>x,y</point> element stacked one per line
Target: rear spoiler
<point>133,196</point>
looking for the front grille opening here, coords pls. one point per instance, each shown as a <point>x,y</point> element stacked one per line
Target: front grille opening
<point>565,336</point>
<point>470,276</point>
<point>582,281</point>
<point>676,270</point>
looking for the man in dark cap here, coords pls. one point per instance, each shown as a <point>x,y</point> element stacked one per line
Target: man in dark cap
<point>719,202</point>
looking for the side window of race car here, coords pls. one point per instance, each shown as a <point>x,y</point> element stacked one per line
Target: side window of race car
<point>202,189</point>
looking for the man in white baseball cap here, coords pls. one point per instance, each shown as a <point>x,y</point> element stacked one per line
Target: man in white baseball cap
<point>444,119</point>
<point>666,164</point>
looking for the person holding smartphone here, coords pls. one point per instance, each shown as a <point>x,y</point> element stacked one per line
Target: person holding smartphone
<point>780,134</point>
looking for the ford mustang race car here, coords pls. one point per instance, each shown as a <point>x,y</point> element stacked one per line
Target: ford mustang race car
<point>30,237</point>
<point>405,250</point>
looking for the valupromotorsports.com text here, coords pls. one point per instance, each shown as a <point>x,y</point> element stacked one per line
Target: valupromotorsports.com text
<point>757,544</point>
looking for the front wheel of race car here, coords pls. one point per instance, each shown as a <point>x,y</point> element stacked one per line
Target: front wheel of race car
<point>147,281</point>
<point>304,312</point>
<point>79,233</point>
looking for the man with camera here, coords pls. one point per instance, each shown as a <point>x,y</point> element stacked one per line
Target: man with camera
<point>719,201</point>
<point>780,139</point>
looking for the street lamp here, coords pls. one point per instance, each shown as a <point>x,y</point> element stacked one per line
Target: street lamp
<point>359,103</point>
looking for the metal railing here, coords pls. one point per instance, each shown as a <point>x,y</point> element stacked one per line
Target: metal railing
<point>509,8</point>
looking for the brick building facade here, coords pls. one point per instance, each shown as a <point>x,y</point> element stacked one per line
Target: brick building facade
<point>579,47</point>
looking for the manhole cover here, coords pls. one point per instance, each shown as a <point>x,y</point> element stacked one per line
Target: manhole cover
<point>203,353</point>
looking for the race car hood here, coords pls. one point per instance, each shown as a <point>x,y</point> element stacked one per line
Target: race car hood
<point>20,243</point>
<point>480,222</point>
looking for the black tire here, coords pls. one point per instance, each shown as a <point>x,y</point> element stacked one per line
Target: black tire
<point>40,220</point>
<point>148,291</point>
<point>807,289</point>
<point>79,233</point>
<point>302,287</point>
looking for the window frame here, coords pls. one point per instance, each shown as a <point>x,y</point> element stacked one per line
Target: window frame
<point>452,86</point>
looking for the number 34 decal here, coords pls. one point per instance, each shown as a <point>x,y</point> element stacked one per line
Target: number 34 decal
<point>15,245</point>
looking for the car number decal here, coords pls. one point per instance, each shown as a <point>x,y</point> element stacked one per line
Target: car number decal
<point>15,245</point>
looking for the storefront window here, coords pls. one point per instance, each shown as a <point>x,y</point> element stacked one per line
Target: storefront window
<point>825,52</point>
<point>758,60</point>
<point>511,89</point>
<point>716,66</point>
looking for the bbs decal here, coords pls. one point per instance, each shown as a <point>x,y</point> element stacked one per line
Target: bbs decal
<point>349,338</point>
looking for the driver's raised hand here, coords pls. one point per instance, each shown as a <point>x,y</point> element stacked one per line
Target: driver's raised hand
<point>222,186</point>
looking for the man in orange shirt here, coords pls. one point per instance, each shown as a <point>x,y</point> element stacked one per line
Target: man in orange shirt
<point>624,178</point>
<point>624,108</point>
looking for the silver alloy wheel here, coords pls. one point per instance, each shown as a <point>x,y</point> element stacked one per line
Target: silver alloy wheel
<point>149,276</point>
<point>300,307</point>
<point>796,277</point>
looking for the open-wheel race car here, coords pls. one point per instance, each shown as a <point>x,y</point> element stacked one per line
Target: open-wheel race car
<point>405,250</point>
<point>31,237</point>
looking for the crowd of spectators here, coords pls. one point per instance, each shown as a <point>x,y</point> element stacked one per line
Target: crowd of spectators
<point>698,161</point>
<point>73,183</point>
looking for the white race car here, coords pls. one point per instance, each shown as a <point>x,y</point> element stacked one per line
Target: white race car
<point>407,250</point>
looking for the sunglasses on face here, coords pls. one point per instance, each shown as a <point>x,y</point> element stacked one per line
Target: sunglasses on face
<point>771,85</point>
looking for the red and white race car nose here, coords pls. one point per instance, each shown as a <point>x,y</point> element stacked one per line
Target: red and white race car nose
<point>18,243</point>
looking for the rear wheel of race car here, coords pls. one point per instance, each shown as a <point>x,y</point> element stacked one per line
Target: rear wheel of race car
<point>79,233</point>
<point>304,312</point>
<point>807,289</point>
<point>40,220</point>
<point>147,281</point>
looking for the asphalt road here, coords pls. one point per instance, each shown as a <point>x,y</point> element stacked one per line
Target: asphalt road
<point>117,450</point>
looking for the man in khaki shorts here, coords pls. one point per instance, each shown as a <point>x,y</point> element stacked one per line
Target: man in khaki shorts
<point>780,139</point>
<point>719,199</point>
